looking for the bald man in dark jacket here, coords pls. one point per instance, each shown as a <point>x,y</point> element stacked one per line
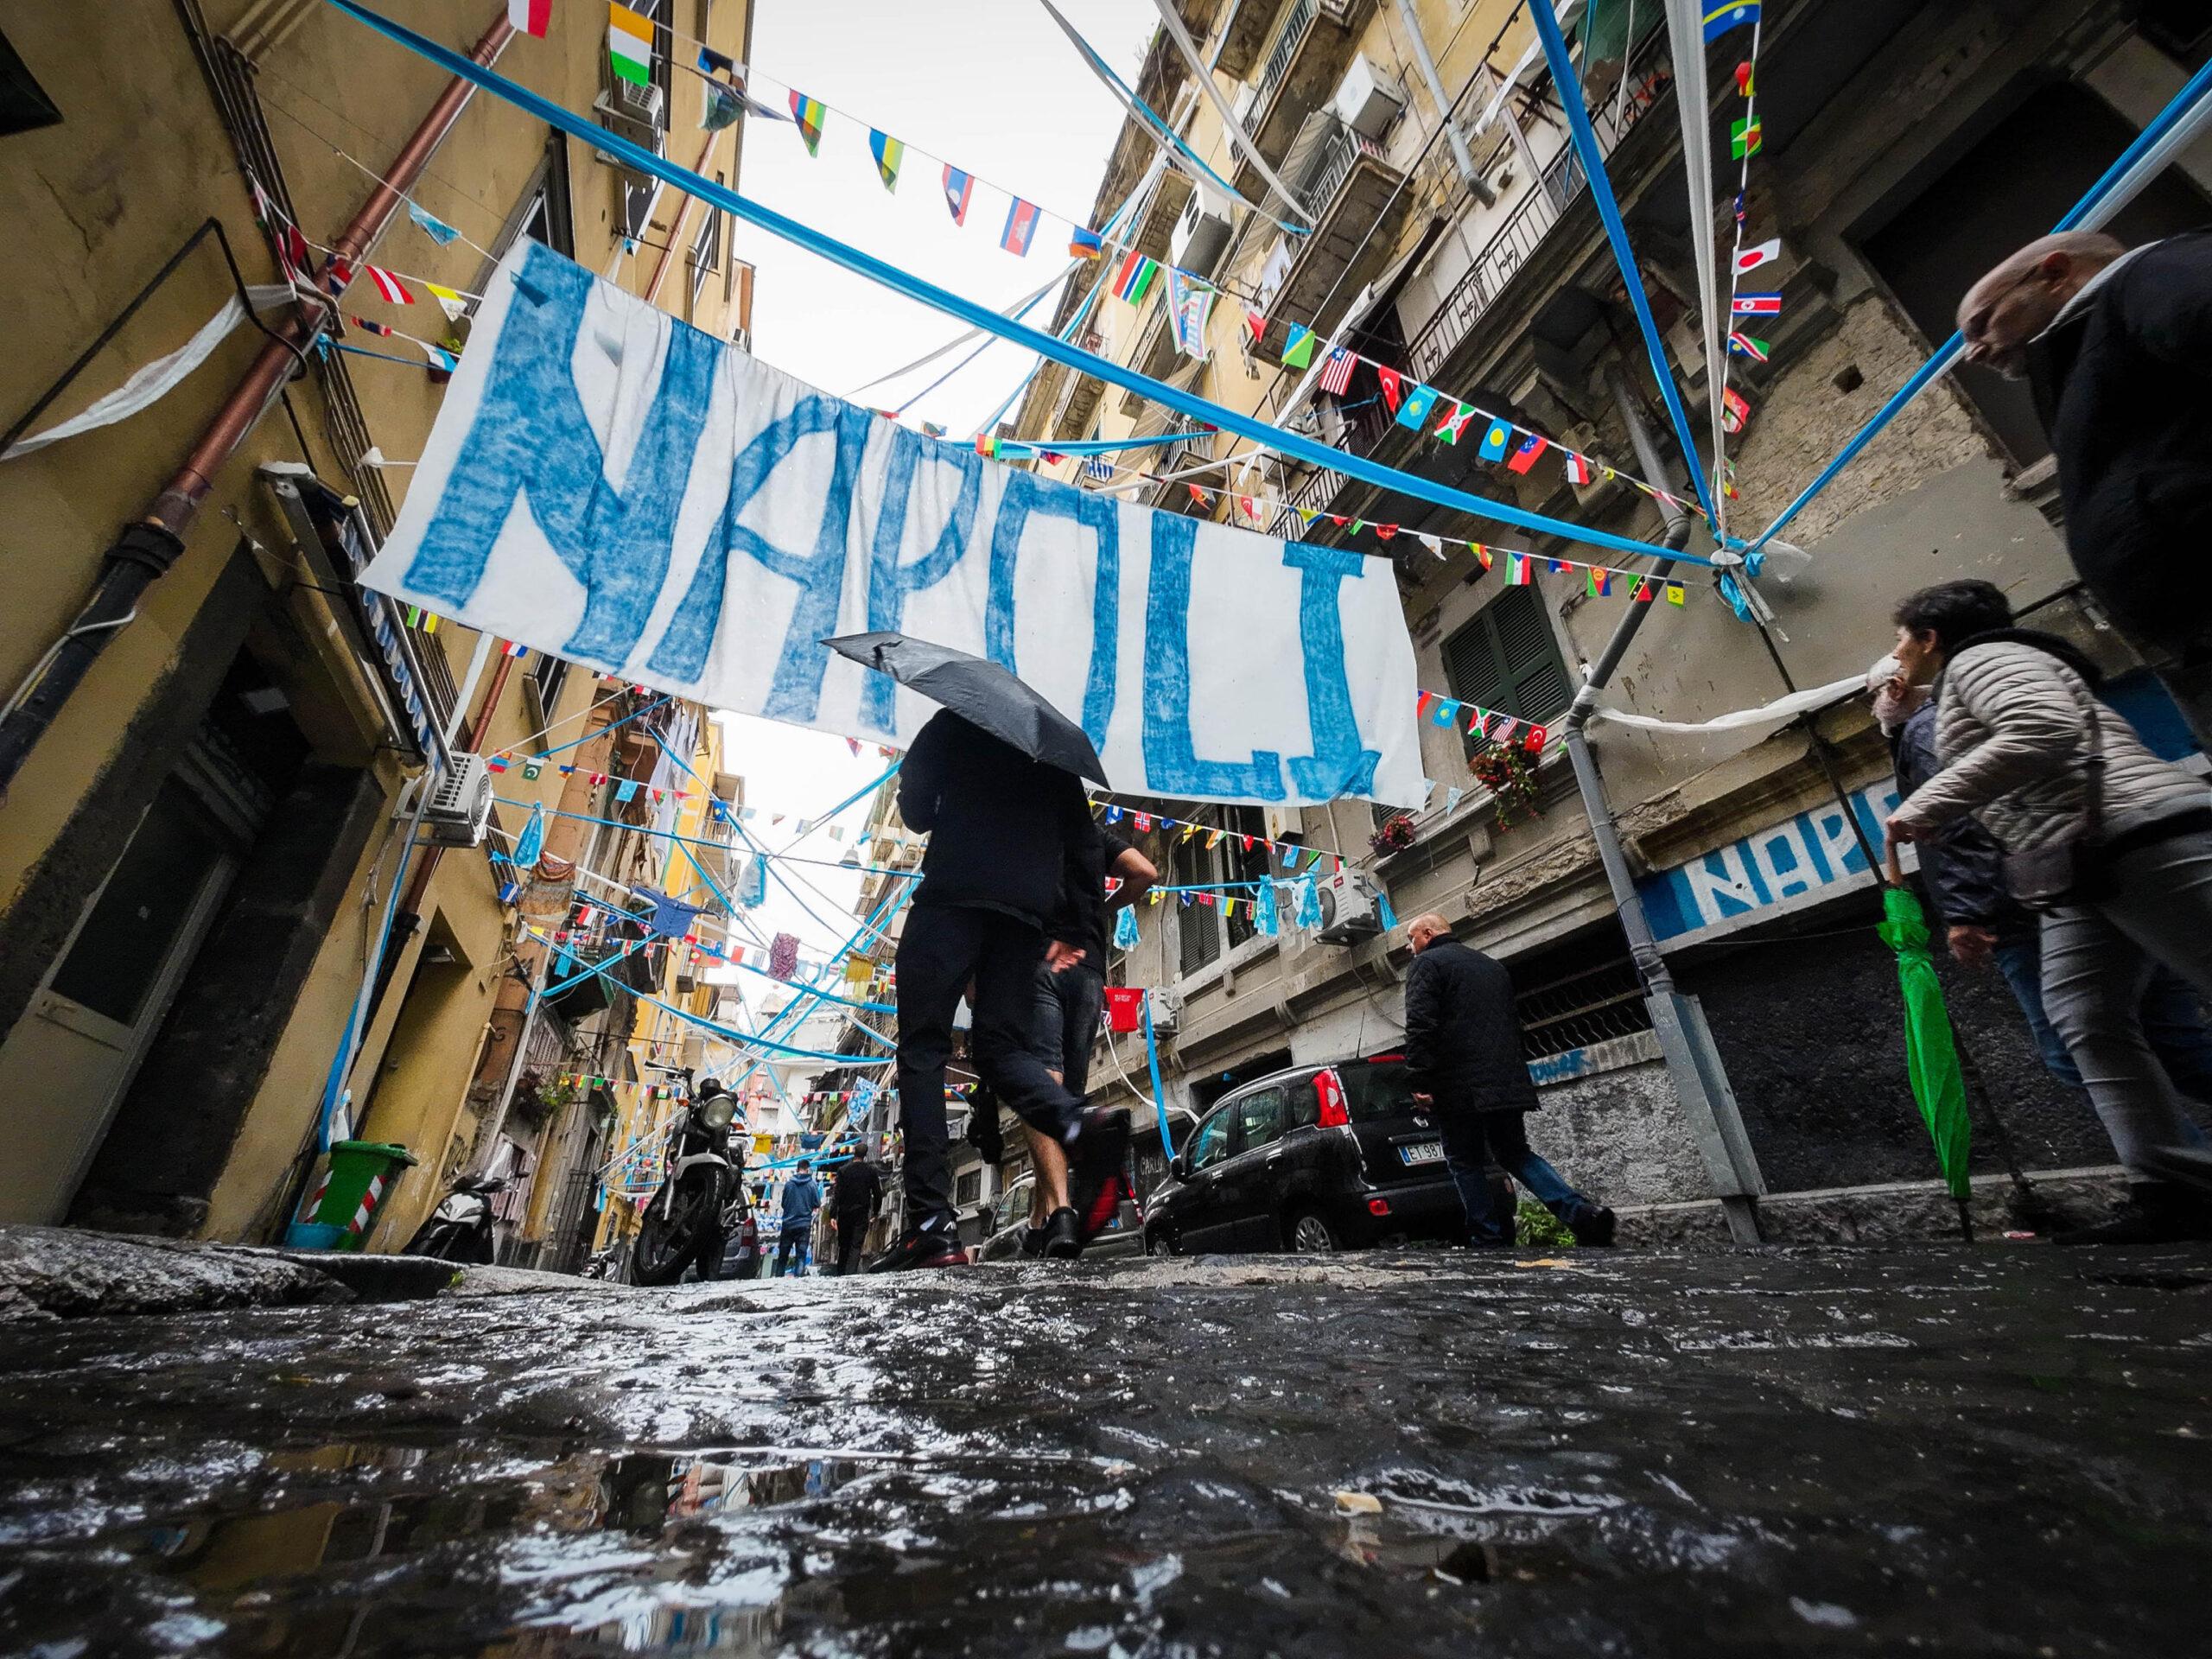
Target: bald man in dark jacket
<point>1462,1049</point>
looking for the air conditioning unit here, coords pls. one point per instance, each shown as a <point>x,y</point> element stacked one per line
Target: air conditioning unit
<point>1167,1012</point>
<point>1201,236</point>
<point>634,111</point>
<point>1349,911</point>
<point>460,807</point>
<point>1369,101</point>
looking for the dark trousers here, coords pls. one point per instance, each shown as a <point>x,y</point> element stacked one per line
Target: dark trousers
<point>1473,1140</point>
<point>793,1248</point>
<point>944,946</point>
<point>851,1231</point>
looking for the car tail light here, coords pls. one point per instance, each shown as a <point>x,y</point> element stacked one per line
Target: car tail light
<point>1383,1059</point>
<point>1378,1207</point>
<point>1329,1089</point>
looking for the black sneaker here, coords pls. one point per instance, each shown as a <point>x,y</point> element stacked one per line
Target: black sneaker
<point>1095,1160</point>
<point>2153,1212</point>
<point>922,1247</point>
<point>1059,1239</point>
<point>1594,1224</point>
<point>1033,1240</point>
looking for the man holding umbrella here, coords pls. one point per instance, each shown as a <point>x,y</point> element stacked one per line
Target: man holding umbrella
<point>992,779</point>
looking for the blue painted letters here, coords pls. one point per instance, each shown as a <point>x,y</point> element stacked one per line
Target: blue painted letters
<point>1026,493</point>
<point>1339,766</point>
<point>1171,763</point>
<point>889,581</point>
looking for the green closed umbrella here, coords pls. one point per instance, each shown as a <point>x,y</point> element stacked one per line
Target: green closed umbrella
<point>1931,1057</point>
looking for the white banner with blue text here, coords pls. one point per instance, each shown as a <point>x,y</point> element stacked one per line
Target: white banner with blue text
<point>613,487</point>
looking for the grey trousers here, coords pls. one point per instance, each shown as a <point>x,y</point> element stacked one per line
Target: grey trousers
<point>2096,961</point>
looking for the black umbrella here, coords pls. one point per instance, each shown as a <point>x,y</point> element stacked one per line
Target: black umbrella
<point>980,691</point>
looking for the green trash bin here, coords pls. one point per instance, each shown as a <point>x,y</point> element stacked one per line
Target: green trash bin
<point>359,1182</point>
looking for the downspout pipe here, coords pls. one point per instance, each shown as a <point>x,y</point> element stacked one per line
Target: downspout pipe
<point>1461,158</point>
<point>146,548</point>
<point>1692,1062</point>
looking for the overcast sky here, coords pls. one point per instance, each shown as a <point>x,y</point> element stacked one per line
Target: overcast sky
<point>993,88</point>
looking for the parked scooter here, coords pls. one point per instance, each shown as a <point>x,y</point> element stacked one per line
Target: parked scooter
<point>683,1221</point>
<point>460,1229</point>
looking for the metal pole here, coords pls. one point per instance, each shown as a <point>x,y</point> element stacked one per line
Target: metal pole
<point>1460,158</point>
<point>489,1139</point>
<point>1693,1063</point>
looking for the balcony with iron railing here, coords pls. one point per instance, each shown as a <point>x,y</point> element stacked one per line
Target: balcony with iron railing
<point>1506,255</point>
<point>1312,46</point>
<point>1358,201</point>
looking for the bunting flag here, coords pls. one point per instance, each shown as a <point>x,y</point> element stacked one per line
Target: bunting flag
<point>1518,570</point>
<point>1099,468</point>
<point>1525,453</point>
<point>1391,387</point>
<point>1756,305</point>
<point>809,113</point>
<point>712,63</point>
<point>1733,14</point>
<point>1494,439</point>
<point>337,274</point>
<point>890,154</point>
<point>718,106</point>
<point>1454,423</point>
<point>1021,227</point>
<point>1674,593</point>
<point>1336,371</point>
<point>1597,581</point>
<point>389,285</point>
<point>529,16</point>
<point>1642,595</point>
<point>1191,303</point>
<point>630,45</point>
<point>1414,409</point>
<point>1763,253</point>
<point>513,648</point>
<point>1298,350</point>
<point>1250,511</point>
<point>442,360</point>
<point>1744,138</point>
<point>1481,553</point>
<point>959,191</point>
<point>1744,78</point>
<point>1735,412</point>
<point>1084,245</point>
<point>431,225</point>
<point>1134,278</point>
<point>384,328</point>
<point>932,429</point>
<point>1577,467</point>
<point>1749,345</point>
<point>1257,324</point>
<point>450,301</point>
<point>1197,495</point>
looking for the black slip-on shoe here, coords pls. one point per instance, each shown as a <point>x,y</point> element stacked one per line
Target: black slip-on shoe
<point>1095,1160</point>
<point>922,1247</point>
<point>1061,1238</point>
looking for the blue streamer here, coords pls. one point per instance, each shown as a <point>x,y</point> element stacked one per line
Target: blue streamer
<point>1293,445</point>
<point>1307,915</point>
<point>1125,928</point>
<point>1609,214</point>
<point>531,841</point>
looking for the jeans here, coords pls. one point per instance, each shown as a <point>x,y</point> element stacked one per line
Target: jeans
<point>792,1251</point>
<point>1066,1023</point>
<point>1471,1141</point>
<point>944,946</point>
<point>2173,1020</point>
<point>2097,962</point>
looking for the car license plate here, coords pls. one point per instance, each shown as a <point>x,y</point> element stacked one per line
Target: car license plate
<point>1424,1151</point>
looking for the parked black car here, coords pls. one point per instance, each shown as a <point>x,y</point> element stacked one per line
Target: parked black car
<point>1319,1157</point>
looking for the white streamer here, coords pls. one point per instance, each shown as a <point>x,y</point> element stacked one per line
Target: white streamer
<point>1787,708</point>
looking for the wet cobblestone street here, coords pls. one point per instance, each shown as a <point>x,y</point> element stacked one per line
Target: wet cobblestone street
<point>2003,1451</point>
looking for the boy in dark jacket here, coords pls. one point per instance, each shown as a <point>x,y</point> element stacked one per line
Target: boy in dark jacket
<point>1006,859</point>
<point>1463,1051</point>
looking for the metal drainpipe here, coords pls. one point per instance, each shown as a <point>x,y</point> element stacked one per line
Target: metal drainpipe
<point>146,549</point>
<point>1693,1063</point>
<point>1460,157</point>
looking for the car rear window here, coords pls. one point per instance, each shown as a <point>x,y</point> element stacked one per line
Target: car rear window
<point>1377,1090</point>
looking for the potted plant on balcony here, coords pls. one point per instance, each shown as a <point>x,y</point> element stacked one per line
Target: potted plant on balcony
<point>1393,835</point>
<point>539,1101</point>
<point>1503,770</point>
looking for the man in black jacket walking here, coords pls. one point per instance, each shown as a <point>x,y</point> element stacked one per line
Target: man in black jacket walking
<point>1463,1050</point>
<point>855,1192</point>
<point>2114,345</point>
<point>1008,835</point>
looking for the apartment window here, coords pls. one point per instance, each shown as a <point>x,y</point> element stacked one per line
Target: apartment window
<point>1505,659</point>
<point>706,248</point>
<point>1579,993</point>
<point>548,675</point>
<point>969,1187</point>
<point>1203,932</point>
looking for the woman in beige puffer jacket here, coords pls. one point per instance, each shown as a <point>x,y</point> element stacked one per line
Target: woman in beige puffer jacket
<point>2017,717</point>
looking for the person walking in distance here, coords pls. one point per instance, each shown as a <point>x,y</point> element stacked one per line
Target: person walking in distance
<point>1008,835</point>
<point>2113,845</point>
<point>1463,1053</point>
<point>855,1194</point>
<point>2114,344</point>
<point>1069,1001</point>
<point>802,1197</point>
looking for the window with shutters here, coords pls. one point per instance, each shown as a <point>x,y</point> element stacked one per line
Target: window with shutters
<point>1203,932</point>
<point>1506,660</point>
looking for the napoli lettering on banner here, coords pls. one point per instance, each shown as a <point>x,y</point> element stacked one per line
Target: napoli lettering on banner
<point>609,485</point>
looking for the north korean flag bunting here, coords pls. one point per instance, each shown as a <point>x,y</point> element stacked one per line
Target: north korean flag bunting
<point>1756,305</point>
